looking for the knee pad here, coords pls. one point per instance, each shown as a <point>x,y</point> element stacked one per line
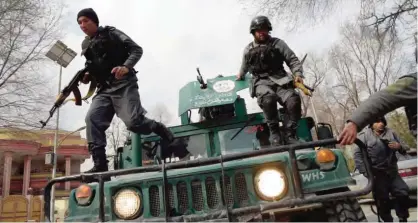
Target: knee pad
<point>268,100</point>
<point>293,101</point>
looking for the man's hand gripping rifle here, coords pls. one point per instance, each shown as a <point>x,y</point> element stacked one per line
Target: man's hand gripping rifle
<point>72,87</point>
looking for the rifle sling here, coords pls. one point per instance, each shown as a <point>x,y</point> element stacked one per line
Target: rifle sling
<point>77,96</point>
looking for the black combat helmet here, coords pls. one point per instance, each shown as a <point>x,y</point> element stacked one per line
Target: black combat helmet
<point>260,22</point>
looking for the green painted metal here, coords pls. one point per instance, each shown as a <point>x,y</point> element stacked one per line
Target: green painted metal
<point>219,91</point>
<point>335,178</point>
<point>136,150</point>
<point>191,96</point>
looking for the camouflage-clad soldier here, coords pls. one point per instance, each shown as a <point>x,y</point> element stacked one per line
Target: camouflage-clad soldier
<point>402,93</point>
<point>264,58</point>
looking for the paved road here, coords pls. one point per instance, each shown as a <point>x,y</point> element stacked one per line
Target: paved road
<point>371,217</point>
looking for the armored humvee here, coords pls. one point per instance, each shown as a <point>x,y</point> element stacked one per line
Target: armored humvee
<point>221,168</point>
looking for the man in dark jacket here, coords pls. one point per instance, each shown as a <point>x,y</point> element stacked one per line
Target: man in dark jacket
<point>264,58</point>
<point>382,145</point>
<point>112,55</point>
<point>402,93</point>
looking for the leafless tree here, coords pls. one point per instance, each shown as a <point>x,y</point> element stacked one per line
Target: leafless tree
<point>161,113</point>
<point>315,71</point>
<point>363,62</point>
<point>294,13</point>
<point>365,59</point>
<point>387,14</point>
<point>115,136</point>
<point>27,29</point>
<point>391,16</point>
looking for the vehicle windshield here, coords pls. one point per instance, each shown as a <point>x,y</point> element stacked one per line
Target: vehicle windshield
<point>250,137</point>
<point>184,148</point>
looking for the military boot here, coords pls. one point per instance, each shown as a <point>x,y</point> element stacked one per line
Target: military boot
<point>161,130</point>
<point>402,208</point>
<point>275,134</point>
<point>290,133</point>
<point>100,163</point>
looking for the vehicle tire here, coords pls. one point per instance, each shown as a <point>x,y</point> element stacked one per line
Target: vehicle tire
<point>347,210</point>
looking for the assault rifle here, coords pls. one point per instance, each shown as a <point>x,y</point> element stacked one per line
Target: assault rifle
<point>72,87</point>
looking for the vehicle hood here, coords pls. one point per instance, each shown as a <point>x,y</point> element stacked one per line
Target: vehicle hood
<point>236,164</point>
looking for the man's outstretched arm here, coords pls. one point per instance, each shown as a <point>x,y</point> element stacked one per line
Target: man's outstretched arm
<point>399,94</point>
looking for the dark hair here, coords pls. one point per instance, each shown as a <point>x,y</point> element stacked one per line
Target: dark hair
<point>379,119</point>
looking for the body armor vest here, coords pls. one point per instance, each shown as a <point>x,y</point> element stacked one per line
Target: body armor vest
<point>105,53</point>
<point>264,59</point>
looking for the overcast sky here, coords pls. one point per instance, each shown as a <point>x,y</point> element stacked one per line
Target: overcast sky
<point>176,36</point>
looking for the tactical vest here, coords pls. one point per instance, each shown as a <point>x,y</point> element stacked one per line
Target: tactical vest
<point>411,111</point>
<point>106,52</point>
<point>264,58</point>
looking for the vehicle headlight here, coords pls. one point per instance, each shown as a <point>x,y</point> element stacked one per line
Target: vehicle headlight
<point>270,184</point>
<point>325,159</point>
<point>127,203</point>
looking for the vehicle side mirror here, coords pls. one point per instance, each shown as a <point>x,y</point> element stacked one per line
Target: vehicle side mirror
<point>324,131</point>
<point>310,122</point>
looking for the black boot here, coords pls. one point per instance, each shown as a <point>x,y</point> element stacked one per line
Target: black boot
<point>275,134</point>
<point>401,207</point>
<point>100,164</point>
<point>161,130</point>
<point>290,133</point>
